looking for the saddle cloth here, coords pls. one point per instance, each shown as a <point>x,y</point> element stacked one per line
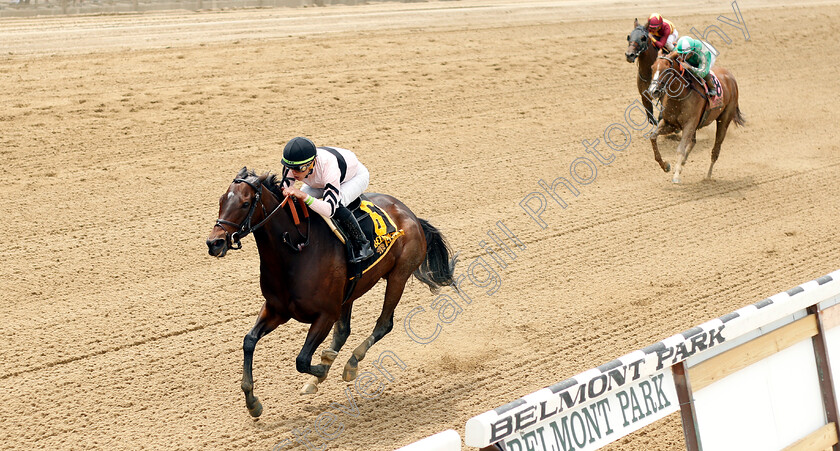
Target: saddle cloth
<point>377,226</point>
<point>716,102</point>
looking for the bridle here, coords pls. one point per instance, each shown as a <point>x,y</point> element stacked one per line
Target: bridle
<point>245,227</point>
<point>642,47</point>
<point>671,67</point>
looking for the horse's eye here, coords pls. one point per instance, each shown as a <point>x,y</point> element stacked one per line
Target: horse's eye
<point>246,205</point>
<point>644,38</point>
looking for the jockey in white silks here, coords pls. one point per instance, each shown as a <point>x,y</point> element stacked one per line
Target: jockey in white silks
<point>332,178</point>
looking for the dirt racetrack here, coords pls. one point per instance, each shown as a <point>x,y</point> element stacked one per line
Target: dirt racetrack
<point>119,133</point>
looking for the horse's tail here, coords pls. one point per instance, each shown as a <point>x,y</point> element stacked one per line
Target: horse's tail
<point>437,270</point>
<point>739,117</point>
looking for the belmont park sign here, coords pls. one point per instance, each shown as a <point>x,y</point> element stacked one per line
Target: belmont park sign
<point>609,401</point>
<point>759,376</point>
<point>598,423</point>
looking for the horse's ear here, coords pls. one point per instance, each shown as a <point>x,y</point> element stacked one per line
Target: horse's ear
<point>636,22</point>
<point>242,172</point>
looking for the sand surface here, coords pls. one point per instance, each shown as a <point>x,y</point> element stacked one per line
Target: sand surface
<point>119,133</point>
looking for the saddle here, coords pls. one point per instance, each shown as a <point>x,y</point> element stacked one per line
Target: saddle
<point>378,227</point>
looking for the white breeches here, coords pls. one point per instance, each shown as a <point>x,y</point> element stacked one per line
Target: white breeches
<point>672,40</point>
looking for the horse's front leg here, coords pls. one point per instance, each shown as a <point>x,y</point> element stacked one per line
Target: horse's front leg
<point>341,331</point>
<point>648,109</point>
<point>661,128</point>
<point>686,144</point>
<point>317,333</point>
<point>266,322</point>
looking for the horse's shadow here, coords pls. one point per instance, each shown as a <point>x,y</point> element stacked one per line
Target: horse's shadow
<point>332,422</point>
<point>732,187</point>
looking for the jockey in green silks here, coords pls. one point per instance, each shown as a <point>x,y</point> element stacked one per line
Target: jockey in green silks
<point>698,60</point>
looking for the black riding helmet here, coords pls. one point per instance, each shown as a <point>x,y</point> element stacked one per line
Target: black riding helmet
<point>298,153</point>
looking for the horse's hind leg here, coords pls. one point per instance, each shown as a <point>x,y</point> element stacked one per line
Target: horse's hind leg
<point>266,322</point>
<point>341,330</point>
<point>720,134</point>
<point>393,293</point>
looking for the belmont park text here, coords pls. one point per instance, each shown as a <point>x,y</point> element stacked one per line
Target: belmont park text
<point>637,399</point>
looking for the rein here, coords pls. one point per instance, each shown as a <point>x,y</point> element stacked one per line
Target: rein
<point>245,228</point>
<point>680,73</point>
<point>296,219</point>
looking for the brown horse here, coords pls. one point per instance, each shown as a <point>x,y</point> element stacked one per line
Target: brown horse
<point>303,271</point>
<point>686,108</point>
<point>639,48</point>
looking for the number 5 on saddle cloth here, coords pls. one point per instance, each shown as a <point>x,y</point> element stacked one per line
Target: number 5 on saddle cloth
<point>377,226</point>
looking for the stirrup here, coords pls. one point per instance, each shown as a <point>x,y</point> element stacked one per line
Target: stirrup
<point>363,254</point>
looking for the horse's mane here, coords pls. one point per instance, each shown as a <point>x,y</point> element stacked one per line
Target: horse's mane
<point>271,181</point>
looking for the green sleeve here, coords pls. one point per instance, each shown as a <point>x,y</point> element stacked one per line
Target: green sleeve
<point>692,64</point>
<point>703,68</point>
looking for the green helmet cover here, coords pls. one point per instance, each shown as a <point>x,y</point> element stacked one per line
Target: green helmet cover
<point>696,46</point>
<point>685,45</point>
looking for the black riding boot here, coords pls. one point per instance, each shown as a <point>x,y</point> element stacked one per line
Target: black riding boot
<point>711,84</point>
<point>361,245</point>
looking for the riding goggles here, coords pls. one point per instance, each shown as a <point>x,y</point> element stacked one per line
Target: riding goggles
<point>299,166</point>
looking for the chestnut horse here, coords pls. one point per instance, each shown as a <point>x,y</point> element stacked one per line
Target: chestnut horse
<point>686,108</point>
<point>639,47</point>
<point>303,271</point>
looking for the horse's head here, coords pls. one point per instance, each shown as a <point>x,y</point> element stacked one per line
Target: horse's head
<point>637,42</point>
<point>236,213</point>
<point>664,70</point>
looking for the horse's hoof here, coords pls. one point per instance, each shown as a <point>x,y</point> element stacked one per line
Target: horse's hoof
<point>350,372</point>
<point>256,411</point>
<point>309,388</point>
<point>676,180</point>
<point>667,167</point>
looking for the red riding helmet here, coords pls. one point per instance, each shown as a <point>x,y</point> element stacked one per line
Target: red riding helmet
<point>655,21</point>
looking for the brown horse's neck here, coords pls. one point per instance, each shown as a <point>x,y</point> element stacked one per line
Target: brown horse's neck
<point>646,60</point>
<point>280,257</point>
<point>677,80</point>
